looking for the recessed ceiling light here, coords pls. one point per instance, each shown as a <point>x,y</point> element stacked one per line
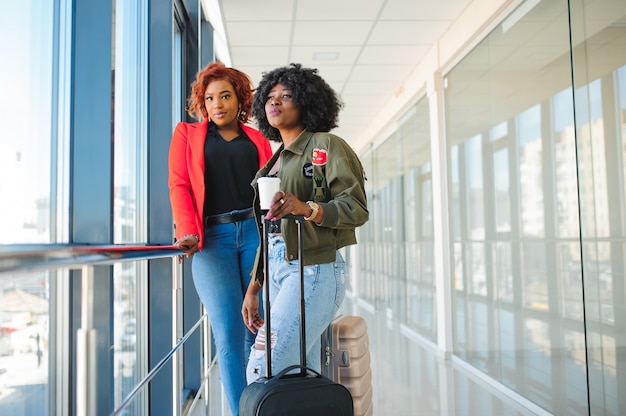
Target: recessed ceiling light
<point>325,56</point>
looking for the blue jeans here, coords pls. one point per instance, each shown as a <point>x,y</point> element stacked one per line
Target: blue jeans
<point>324,290</point>
<point>221,274</point>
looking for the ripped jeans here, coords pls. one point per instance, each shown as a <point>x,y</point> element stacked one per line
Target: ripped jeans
<point>324,290</point>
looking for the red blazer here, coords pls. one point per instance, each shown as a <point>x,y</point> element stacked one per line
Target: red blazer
<point>186,174</point>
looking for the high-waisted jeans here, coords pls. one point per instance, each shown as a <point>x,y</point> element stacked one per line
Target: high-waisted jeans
<point>221,274</point>
<point>324,290</point>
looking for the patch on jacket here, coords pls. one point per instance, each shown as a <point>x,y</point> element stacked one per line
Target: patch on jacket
<point>307,170</point>
<point>320,157</point>
<point>319,186</point>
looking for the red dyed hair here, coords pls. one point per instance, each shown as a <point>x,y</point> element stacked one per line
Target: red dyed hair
<point>218,71</point>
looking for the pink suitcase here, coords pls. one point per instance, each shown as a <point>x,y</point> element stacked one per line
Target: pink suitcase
<point>346,359</point>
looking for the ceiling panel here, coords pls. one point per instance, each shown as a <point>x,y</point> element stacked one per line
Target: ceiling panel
<point>370,87</point>
<point>338,10</point>
<point>407,32</point>
<point>377,71</point>
<point>393,54</point>
<point>423,9</point>
<point>256,10</point>
<point>258,33</point>
<point>330,33</point>
<point>265,56</point>
<point>317,55</point>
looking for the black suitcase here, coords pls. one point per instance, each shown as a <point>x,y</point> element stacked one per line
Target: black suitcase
<point>305,393</point>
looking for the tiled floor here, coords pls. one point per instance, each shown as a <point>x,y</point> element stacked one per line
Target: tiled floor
<point>410,379</point>
<point>422,384</point>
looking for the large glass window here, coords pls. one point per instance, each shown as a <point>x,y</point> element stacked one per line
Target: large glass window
<point>362,282</point>
<point>25,114</point>
<point>396,259</point>
<point>550,175</point>
<point>27,146</point>
<point>129,106</point>
<point>599,65</point>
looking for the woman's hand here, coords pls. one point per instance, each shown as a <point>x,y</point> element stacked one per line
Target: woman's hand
<point>250,311</point>
<point>188,244</point>
<point>285,203</point>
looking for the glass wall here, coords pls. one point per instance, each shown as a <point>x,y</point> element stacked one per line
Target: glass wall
<point>535,168</point>
<point>130,138</point>
<point>599,67</point>
<point>395,249</point>
<point>28,199</point>
<point>77,167</point>
<point>25,113</point>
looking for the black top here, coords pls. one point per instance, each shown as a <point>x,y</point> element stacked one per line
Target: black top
<point>229,167</point>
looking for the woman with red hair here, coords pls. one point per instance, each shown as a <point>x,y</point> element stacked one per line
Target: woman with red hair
<point>211,165</point>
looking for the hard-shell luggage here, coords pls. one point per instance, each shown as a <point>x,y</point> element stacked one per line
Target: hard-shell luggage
<point>305,393</point>
<point>346,360</point>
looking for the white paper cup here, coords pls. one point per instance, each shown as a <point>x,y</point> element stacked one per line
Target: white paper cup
<point>268,186</point>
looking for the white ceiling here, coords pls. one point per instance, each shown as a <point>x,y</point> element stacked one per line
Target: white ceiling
<point>364,49</point>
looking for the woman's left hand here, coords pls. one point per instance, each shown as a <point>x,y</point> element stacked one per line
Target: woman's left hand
<point>188,244</point>
<point>285,203</point>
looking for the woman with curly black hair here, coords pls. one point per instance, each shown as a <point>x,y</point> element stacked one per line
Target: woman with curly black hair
<point>322,179</point>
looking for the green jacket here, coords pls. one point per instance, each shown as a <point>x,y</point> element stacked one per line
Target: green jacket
<point>318,167</point>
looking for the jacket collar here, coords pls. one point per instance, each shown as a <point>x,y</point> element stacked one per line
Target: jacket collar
<point>300,143</point>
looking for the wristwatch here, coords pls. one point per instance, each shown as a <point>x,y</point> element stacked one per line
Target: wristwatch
<point>315,209</point>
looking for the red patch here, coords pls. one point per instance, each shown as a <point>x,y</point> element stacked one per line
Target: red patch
<point>320,157</point>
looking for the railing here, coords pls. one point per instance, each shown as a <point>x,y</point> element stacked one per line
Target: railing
<point>21,258</point>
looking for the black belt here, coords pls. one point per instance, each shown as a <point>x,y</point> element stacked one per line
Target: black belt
<point>229,217</point>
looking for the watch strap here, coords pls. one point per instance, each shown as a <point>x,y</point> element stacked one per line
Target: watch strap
<point>315,209</point>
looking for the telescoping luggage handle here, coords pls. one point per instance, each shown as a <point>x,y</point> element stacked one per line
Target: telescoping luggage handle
<point>299,219</point>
